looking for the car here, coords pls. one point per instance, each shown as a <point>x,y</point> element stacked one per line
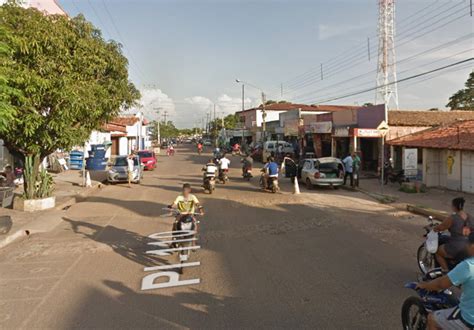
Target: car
<point>117,170</point>
<point>148,159</point>
<point>326,171</point>
<point>207,143</point>
<point>273,148</point>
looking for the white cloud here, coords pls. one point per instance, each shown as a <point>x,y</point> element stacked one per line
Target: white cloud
<point>153,99</point>
<point>330,31</point>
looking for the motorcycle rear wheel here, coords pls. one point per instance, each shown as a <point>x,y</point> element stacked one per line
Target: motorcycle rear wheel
<point>416,320</point>
<point>426,261</point>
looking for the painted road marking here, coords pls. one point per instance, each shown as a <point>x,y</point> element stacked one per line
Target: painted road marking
<point>148,282</point>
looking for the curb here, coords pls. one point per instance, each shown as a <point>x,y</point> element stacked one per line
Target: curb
<point>391,200</point>
<point>76,198</point>
<point>29,229</point>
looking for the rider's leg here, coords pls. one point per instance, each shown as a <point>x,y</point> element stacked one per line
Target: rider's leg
<point>431,324</point>
<point>441,256</point>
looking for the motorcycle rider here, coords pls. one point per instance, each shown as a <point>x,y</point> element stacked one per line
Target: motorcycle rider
<point>459,224</point>
<point>247,163</point>
<point>224,163</point>
<point>209,169</point>
<point>186,203</point>
<point>462,316</point>
<point>271,171</point>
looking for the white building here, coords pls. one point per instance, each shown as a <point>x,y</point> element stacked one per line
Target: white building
<point>50,7</point>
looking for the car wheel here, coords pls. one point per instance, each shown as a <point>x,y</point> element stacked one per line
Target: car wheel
<point>308,183</point>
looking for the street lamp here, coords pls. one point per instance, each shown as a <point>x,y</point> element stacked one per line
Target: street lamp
<point>158,126</point>
<point>264,114</point>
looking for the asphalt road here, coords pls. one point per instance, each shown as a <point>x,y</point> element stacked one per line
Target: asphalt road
<point>325,259</point>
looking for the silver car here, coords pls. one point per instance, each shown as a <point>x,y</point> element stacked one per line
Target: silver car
<point>326,171</point>
<point>118,170</point>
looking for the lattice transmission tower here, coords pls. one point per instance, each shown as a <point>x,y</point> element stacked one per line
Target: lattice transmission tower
<point>386,91</point>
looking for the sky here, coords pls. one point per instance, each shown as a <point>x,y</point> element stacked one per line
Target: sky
<point>186,54</point>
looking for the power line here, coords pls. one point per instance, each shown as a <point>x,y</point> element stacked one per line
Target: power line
<point>344,54</point>
<point>355,58</point>
<point>398,81</point>
<point>407,59</point>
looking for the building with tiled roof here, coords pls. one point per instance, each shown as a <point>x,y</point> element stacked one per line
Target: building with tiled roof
<point>445,154</point>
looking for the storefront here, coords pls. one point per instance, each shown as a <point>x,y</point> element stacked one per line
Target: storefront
<point>367,142</point>
<point>341,142</point>
<point>322,138</point>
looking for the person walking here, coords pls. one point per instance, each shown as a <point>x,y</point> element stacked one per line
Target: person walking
<point>130,166</point>
<point>348,164</point>
<point>356,168</point>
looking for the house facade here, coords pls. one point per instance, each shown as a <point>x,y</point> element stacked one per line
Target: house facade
<point>446,153</point>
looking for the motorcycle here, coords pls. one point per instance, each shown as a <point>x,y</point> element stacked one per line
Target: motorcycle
<point>415,309</point>
<point>247,173</point>
<point>426,260</point>
<point>397,177</point>
<point>223,175</point>
<point>209,183</point>
<point>272,183</point>
<point>186,222</point>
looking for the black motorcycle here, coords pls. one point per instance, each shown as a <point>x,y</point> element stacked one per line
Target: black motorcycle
<point>247,173</point>
<point>223,178</point>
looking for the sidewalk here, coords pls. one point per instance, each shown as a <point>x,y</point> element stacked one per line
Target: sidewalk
<point>435,198</point>
<point>67,189</point>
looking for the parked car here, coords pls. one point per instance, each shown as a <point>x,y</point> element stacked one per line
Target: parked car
<point>117,170</point>
<point>326,171</point>
<point>207,143</point>
<point>272,147</point>
<point>148,159</point>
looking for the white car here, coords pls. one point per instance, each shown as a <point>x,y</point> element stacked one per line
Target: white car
<point>327,171</point>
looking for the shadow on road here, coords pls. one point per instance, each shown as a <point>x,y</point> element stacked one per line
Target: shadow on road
<point>122,241</point>
<point>117,306</point>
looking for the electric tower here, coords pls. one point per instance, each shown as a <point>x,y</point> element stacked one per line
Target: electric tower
<point>386,91</point>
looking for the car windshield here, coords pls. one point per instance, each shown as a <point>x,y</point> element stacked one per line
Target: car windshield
<point>122,161</point>
<point>145,154</point>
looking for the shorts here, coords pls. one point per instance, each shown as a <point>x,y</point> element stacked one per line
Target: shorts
<point>450,319</point>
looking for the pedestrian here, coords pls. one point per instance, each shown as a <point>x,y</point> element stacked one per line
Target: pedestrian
<point>356,167</point>
<point>9,180</point>
<point>130,167</point>
<point>291,169</point>
<point>348,164</point>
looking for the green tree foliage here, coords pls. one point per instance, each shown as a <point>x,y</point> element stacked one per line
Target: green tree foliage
<point>71,82</point>
<point>464,98</point>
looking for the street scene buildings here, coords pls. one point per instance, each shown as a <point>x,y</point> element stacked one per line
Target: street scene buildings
<point>144,185</point>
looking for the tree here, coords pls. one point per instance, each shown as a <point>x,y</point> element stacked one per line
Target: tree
<point>168,130</point>
<point>71,79</point>
<point>464,98</point>
<point>7,111</point>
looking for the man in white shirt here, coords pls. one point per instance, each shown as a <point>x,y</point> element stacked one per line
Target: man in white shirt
<point>224,163</point>
<point>130,167</point>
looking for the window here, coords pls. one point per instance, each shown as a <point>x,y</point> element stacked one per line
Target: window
<point>145,154</point>
<point>308,165</point>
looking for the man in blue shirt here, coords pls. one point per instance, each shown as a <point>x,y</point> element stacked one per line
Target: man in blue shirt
<point>461,317</point>
<point>271,171</point>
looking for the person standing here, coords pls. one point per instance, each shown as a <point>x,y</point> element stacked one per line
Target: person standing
<point>356,167</point>
<point>348,165</point>
<point>130,167</point>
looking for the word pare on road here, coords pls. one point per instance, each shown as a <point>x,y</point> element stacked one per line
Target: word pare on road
<point>163,240</point>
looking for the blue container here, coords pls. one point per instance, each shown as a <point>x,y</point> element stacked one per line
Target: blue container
<point>96,164</point>
<point>97,154</point>
<point>95,147</point>
<point>75,160</point>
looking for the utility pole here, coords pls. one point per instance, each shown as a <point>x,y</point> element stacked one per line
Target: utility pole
<point>264,116</point>
<point>243,97</point>
<point>386,70</point>
<point>215,127</point>
<point>158,137</point>
<point>165,115</point>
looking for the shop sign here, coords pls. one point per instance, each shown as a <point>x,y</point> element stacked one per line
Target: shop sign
<point>410,164</point>
<point>323,127</point>
<point>368,132</point>
<point>341,132</point>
